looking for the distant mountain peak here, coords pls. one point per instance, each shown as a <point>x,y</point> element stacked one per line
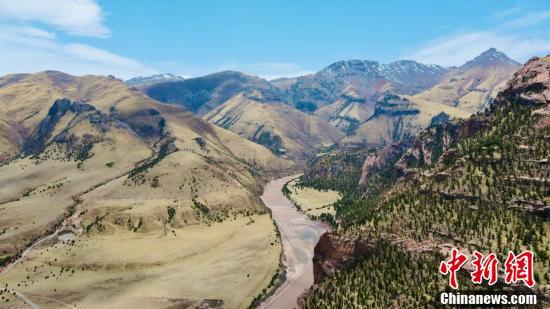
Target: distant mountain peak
<point>489,58</point>
<point>202,94</point>
<point>234,74</point>
<point>352,66</point>
<point>157,78</point>
<point>410,67</point>
<point>393,71</point>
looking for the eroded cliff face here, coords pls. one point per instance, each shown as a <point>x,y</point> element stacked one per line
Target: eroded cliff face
<point>335,252</point>
<point>385,157</point>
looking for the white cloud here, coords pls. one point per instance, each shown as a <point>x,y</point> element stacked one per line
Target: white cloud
<point>75,17</point>
<point>28,49</point>
<point>530,19</point>
<point>506,13</point>
<point>516,31</point>
<point>33,32</point>
<point>459,48</point>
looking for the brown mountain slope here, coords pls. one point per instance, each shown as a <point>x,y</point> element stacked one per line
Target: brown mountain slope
<point>397,117</point>
<point>281,128</point>
<point>144,188</point>
<point>26,99</point>
<point>473,86</point>
<point>202,94</point>
<point>348,111</point>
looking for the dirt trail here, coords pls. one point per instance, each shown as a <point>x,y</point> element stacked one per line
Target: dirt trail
<point>299,235</point>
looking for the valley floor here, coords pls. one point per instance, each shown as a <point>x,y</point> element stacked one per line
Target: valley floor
<point>151,269</point>
<point>312,202</point>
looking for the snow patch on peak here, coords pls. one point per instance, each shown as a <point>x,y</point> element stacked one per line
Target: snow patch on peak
<point>374,69</point>
<point>157,78</point>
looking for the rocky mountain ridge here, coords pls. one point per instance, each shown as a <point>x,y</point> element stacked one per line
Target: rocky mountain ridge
<point>371,78</point>
<point>202,94</point>
<point>370,103</point>
<point>473,86</point>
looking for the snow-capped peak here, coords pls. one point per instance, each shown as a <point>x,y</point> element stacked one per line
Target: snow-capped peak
<point>157,78</point>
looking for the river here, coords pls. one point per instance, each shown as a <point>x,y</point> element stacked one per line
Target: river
<point>299,235</point>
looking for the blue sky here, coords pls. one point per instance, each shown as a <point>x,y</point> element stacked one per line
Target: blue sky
<point>267,38</point>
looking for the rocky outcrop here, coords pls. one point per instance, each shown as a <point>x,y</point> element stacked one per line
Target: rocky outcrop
<point>334,252</point>
<point>471,126</point>
<point>384,158</point>
<point>427,148</point>
<point>393,105</point>
<point>440,118</point>
<point>531,84</point>
<point>147,123</point>
<point>44,131</point>
<point>325,170</point>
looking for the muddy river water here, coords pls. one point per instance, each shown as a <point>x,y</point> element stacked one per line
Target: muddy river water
<point>299,236</point>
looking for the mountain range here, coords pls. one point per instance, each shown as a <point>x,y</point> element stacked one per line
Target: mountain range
<point>281,128</point>
<point>368,77</point>
<point>369,102</point>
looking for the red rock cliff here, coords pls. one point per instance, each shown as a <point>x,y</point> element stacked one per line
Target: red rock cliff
<point>334,253</point>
